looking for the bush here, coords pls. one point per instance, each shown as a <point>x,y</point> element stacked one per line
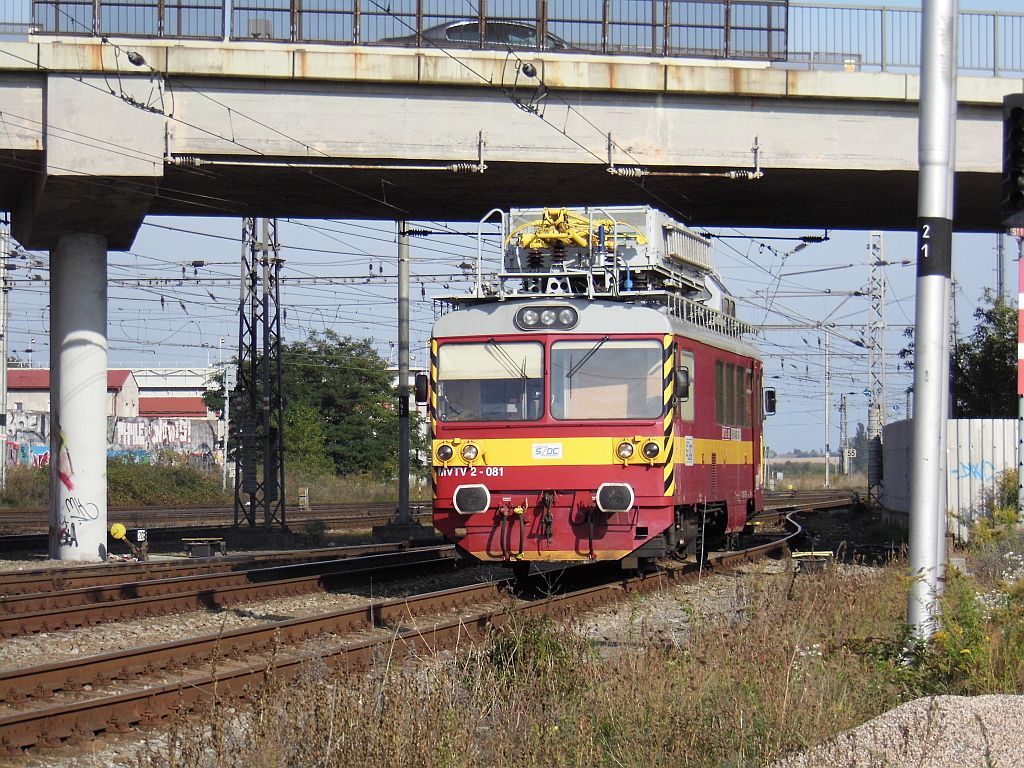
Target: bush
<point>26,486</point>
<point>130,484</point>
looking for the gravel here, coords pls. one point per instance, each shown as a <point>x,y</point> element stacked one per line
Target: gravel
<point>52,647</point>
<point>937,731</point>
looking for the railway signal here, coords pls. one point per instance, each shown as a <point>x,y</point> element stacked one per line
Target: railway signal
<point>1012,213</point>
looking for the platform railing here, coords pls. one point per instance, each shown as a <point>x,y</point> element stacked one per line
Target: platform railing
<point>786,34</point>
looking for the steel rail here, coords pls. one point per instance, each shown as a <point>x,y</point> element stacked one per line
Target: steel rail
<point>190,593</point>
<point>61,579</point>
<point>152,704</point>
<point>157,517</point>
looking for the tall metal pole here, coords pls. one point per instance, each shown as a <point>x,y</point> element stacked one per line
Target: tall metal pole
<point>1020,378</point>
<point>936,131</point>
<point>5,252</point>
<point>404,518</point>
<point>228,372</point>
<point>1000,271</point>
<point>828,407</point>
<point>844,438</point>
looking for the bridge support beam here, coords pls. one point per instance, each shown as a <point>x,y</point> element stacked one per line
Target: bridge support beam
<point>78,397</point>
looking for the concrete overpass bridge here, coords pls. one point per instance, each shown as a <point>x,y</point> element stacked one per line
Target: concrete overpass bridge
<point>98,132</point>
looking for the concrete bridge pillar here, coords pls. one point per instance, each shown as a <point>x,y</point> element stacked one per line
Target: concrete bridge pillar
<point>88,195</point>
<point>78,397</point>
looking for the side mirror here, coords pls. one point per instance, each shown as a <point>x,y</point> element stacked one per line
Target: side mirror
<point>683,383</point>
<point>769,401</point>
<point>421,388</point>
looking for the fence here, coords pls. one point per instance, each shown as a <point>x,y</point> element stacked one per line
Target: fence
<point>809,35</point>
<point>978,450</point>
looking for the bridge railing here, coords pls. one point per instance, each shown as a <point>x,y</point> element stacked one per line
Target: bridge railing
<point>889,39</point>
<point>788,34</point>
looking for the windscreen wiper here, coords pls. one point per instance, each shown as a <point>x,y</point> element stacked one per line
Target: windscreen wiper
<point>507,361</point>
<point>583,360</point>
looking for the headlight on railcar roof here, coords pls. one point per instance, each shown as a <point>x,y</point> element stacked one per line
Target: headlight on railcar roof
<point>546,318</point>
<point>650,450</point>
<point>624,450</point>
<point>469,452</point>
<point>445,452</point>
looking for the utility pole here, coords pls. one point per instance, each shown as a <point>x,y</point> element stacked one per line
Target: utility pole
<point>5,252</point>
<point>1019,234</point>
<point>259,428</point>
<point>936,143</point>
<point>828,408</point>
<point>1000,271</point>
<point>228,372</point>
<point>844,439</point>
<point>404,518</point>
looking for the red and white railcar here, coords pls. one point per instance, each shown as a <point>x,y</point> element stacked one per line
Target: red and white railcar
<point>599,401</point>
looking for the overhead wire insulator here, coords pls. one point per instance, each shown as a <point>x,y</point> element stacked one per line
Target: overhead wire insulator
<point>467,167</point>
<point>628,172</point>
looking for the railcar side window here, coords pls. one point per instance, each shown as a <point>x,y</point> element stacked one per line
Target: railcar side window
<point>733,393</point>
<point>492,381</point>
<point>685,405</point>
<point>607,379</point>
<point>748,395</point>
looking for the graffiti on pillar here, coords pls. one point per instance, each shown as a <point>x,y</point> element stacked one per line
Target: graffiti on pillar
<point>81,511</point>
<point>66,535</point>
<point>64,468</point>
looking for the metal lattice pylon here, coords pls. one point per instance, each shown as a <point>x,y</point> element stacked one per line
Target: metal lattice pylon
<point>876,366</point>
<point>257,414</point>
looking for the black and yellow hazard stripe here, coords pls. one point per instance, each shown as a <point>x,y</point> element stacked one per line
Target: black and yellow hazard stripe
<point>669,390</point>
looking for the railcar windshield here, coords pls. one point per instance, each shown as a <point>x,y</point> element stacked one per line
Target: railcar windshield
<point>492,381</point>
<point>606,379</point>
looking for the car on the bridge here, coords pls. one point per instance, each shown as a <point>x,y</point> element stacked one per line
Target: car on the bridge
<point>465,33</point>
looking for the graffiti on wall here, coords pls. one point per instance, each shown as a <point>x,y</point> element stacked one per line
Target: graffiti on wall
<point>30,427</point>
<point>141,439</point>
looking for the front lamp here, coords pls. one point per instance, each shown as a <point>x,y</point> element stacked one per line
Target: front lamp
<point>445,453</point>
<point>469,452</point>
<point>651,450</point>
<point>624,450</point>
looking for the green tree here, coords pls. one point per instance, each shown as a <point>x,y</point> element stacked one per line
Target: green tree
<point>984,365</point>
<point>860,444</point>
<point>348,384</point>
<point>304,441</point>
<point>339,399</point>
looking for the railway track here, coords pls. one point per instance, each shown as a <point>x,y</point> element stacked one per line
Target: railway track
<point>67,609</point>
<point>163,536</point>
<point>37,519</point>
<point>181,676</point>
<point>56,579</point>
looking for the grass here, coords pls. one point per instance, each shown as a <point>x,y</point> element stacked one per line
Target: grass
<point>789,664</point>
<point>332,489</point>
